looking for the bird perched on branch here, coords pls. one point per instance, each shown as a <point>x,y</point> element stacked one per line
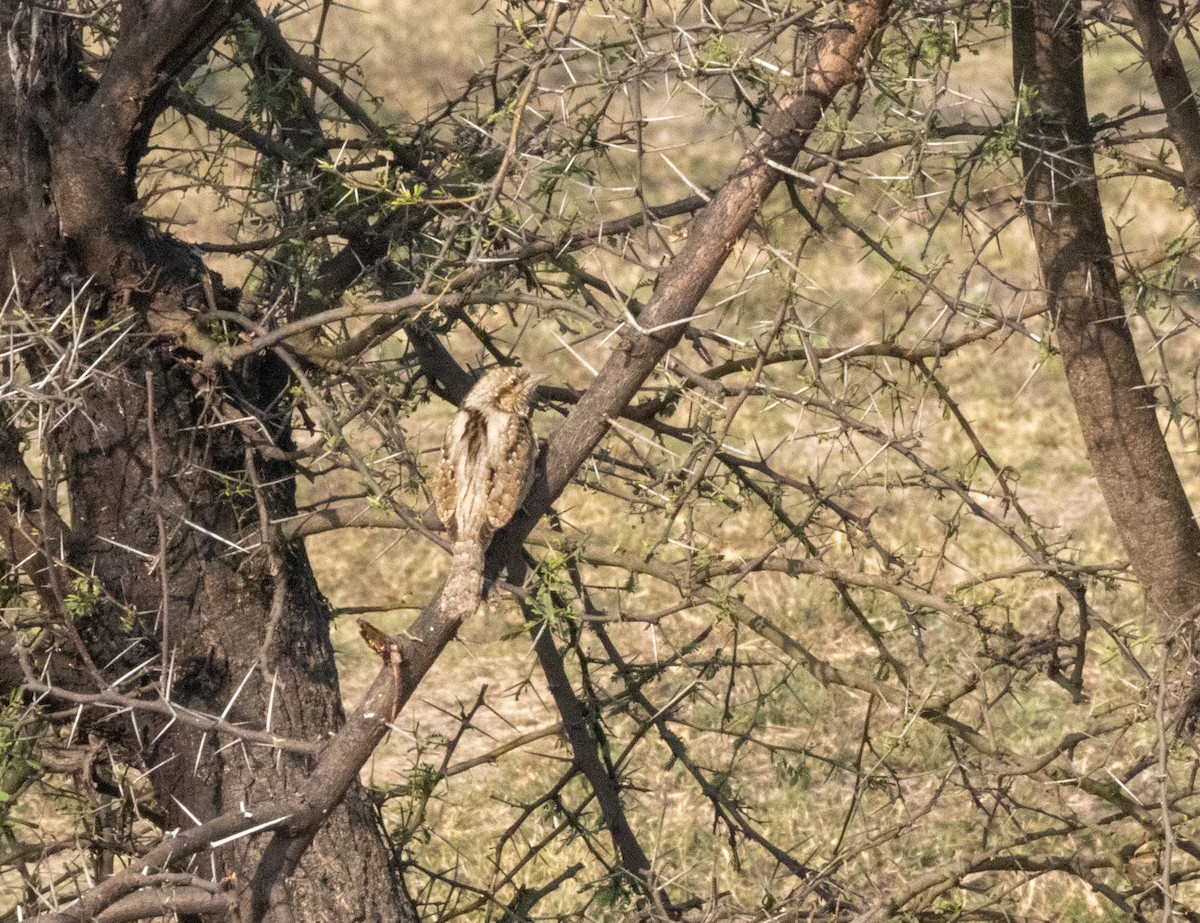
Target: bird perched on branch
<point>485,473</point>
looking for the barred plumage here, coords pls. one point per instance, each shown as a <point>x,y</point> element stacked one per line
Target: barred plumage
<point>487,456</point>
<point>485,472</point>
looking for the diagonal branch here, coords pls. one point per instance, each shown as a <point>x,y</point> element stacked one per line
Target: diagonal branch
<point>833,64</point>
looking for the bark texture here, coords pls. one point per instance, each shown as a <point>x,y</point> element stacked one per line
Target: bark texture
<point>1115,407</point>
<point>141,446</point>
<point>834,62</point>
<point>1174,89</point>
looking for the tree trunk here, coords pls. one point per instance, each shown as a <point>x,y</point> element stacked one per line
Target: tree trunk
<point>1174,89</point>
<point>1116,409</point>
<point>154,442</point>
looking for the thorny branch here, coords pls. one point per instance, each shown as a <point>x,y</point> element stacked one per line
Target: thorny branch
<point>802,534</point>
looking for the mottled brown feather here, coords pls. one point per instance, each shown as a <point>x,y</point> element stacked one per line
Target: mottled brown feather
<point>512,480</point>
<point>487,456</point>
<point>445,489</point>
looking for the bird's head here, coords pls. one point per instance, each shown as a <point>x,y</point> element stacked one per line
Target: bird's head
<point>509,390</point>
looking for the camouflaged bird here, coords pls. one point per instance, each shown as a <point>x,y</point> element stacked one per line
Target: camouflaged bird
<point>484,475</point>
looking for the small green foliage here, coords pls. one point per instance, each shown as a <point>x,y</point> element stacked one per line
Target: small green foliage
<point>233,489</point>
<point>551,583</point>
<point>16,764</point>
<point>723,610</point>
<point>221,332</point>
<point>1002,147</point>
<point>422,780</point>
<point>790,772</point>
<point>615,892</point>
<point>85,594</point>
<point>949,907</point>
<point>717,50</point>
<point>409,195</point>
<point>938,44</point>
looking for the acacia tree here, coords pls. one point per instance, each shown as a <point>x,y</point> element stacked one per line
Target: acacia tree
<point>752,550</point>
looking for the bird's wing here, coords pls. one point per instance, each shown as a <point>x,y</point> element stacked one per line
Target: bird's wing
<point>512,474</point>
<point>445,491</point>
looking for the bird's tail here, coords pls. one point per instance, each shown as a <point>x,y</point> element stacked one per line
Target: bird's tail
<point>464,586</point>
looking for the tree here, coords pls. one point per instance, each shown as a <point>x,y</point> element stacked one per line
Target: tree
<point>816,628</point>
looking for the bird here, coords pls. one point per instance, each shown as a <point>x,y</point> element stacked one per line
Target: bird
<point>485,473</point>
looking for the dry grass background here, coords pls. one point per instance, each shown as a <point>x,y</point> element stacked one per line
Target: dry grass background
<point>410,55</point>
<point>1011,390</point>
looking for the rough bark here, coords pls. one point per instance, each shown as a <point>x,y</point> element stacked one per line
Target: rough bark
<point>222,595</point>
<point>1115,408</point>
<point>251,624</point>
<point>834,63</point>
<point>1174,89</point>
